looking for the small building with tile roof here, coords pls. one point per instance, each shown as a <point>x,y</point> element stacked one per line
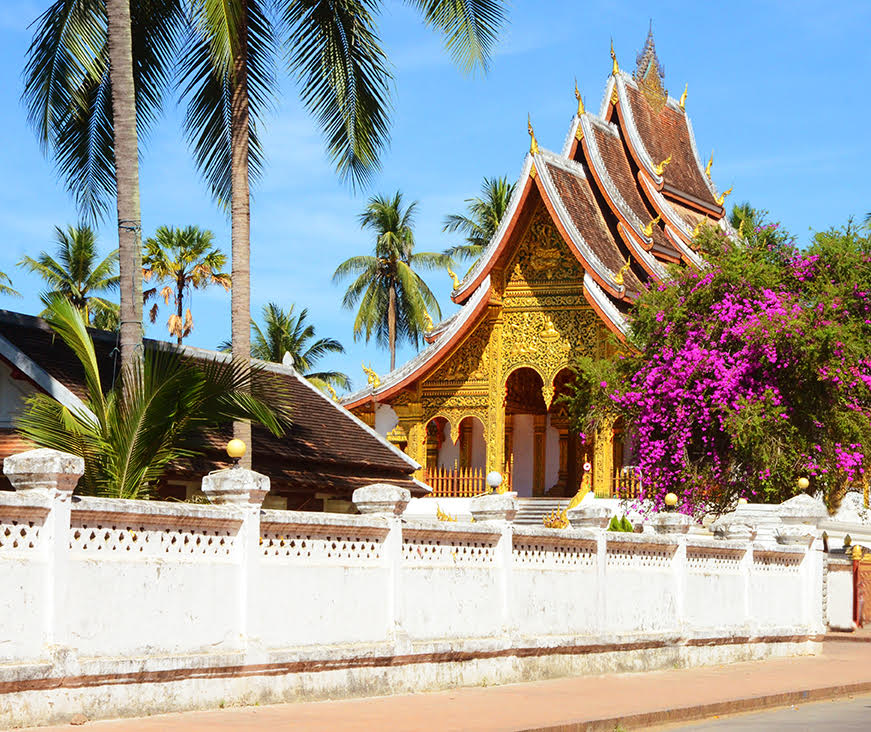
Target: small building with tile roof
<point>587,231</point>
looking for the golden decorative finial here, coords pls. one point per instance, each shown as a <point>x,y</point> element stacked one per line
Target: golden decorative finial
<point>371,376</point>
<point>660,169</point>
<point>723,195</point>
<point>442,516</point>
<point>683,97</point>
<point>618,278</point>
<point>533,143</point>
<point>708,166</point>
<point>648,230</point>
<point>428,325</point>
<point>556,519</point>
<point>580,99</point>
<point>698,227</point>
<point>615,68</point>
<point>332,392</point>
<point>857,553</point>
<point>454,278</point>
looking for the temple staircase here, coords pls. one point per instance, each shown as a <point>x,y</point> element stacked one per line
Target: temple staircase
<point>531,511</point>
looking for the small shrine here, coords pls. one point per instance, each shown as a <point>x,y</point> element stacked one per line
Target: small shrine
<point>588,229</point>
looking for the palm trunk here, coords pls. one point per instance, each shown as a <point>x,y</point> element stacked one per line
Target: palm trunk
<point>391,326</point>
<point>240,214</point>
<point>179,295</point>
<point>126,178</point>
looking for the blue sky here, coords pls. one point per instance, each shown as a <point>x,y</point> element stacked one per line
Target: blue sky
<point>779,91</point>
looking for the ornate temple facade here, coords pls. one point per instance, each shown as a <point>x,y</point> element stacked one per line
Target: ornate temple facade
<point>587,231</point>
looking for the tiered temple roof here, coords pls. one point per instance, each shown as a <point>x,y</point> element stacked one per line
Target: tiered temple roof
<point>627,194</point>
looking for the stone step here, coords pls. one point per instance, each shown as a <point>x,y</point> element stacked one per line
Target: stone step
<point>531,511</point>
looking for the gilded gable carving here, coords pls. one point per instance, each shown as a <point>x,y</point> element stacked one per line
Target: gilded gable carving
<point>470,362</point>
<point>542,256</point>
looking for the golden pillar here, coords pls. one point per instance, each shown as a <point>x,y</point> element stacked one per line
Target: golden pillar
<point>539,444</point>
<point>494,430</point>
<point>603,459</point>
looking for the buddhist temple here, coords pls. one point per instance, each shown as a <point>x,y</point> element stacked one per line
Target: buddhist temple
<point>588,229</point>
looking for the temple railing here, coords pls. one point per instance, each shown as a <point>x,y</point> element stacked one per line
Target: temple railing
<point>455,482</point>
<point>626,484</point>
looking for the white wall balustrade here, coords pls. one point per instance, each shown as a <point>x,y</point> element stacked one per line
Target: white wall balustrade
<point>118,607</point>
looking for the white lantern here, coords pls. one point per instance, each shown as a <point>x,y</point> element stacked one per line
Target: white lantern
<point>494,479</point>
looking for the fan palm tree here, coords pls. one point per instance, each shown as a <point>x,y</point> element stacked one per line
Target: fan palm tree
<point>156,414</point>
<point>187,259</point>
<point>6,286</point>
<point>394,300</point>
<point>89,103</point>
<point>77,274</point>
<point>286,337</point>
<point>482,218</point>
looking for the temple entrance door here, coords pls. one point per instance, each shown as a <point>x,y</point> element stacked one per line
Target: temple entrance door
<point>526,413</point>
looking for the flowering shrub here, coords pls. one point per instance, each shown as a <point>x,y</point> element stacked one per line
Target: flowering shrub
<point>747,375</point>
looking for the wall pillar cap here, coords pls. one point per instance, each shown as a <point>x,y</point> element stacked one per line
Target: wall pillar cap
<point>493,507</point>
<point>44,469</point>
<point>236,486</point>
<point>589,514</point>
<point>796,535</point>
<point>381,499</point>
<point>671,522</point>
<point>802,509</point>
<point>732,527</point>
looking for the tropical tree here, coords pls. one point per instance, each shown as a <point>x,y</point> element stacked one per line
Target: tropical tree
<point>286,337</point>
<point>6,286</point>
<point>482,218</point>
<point>187,260</point>
<point>76,273</point>
<point>155,414</point>
<point>395,302</point>
<point>89,103</point>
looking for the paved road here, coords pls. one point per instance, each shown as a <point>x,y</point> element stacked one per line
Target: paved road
<point>834,716</point>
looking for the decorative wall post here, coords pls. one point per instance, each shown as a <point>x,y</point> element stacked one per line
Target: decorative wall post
<point>494,429</point>
<point>500,509</point>
<point>47,479</point>
<point>243,491</point>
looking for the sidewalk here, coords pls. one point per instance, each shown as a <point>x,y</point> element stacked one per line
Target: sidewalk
<point>585,703</point>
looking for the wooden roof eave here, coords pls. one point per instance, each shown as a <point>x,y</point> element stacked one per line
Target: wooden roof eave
<point>674,221</point>
<point>598,299</point>
<point>648,262</point>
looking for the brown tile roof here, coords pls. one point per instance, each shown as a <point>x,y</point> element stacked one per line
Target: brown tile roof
<point>664,134</point>
<point>325,449</point>
<point>579,201</point>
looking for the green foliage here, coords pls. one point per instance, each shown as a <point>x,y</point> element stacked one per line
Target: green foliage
<point>6,286</point>
<point>154,415</point>
<point>626,525</point>
<point>483,216</point>
<point>76,273</point>
<point>614,524</point>
<point>621,524</point>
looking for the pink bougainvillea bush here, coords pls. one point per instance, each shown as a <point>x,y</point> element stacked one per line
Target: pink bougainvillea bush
<point>747,375</point>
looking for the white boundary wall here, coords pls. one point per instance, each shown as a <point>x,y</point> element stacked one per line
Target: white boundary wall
<point>114,607</point>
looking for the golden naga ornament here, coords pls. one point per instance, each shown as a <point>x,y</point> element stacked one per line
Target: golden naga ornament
<point>371,376</point>
<point>556,520</point>
<point>580,99</point>
<point>722,197</point>
<point>618,278</point>
<point>615,68</point>
<point>683,98</point>
<point>708,166</point>
<point>442,516</point>
<point>332,392</point>
<point>660,169</point>
<point>428,325</point>
<point>454,278</point>
<point>533,143</point>
<point>648,230</point>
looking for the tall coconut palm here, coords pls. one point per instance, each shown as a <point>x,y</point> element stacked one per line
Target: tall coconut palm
<point>6,286</point>
<point>394,299</point>
<point>77,274</point>
<point>482,218</point>
<point>89,103</point>
<point>187,260</point>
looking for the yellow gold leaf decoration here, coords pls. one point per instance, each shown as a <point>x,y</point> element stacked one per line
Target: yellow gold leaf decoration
<point>660,169</point>
<point>723,195</point>
<point>533,143</point>
<point>442,516</point>
<point>683,97</point>
<point>648,230</point>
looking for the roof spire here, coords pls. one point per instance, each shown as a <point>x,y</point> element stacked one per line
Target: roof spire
<point>580,99</point>
<point>533,143</point>
<point>683,97</point>
<point>615,68</point>
<point>650,74</point>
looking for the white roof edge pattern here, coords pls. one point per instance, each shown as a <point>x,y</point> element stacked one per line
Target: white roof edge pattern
<point>279,368</point>
<point>604,302</point>
<point>652,262</point>
<point>606,98</point>
<point>570,136</point>
<point>566,220</point>
<point>672,218</point>
<point>708,182</point>
<point>44,380</point>
<point>632,128</point>
<point>428,353</point>
<point>507,218</point>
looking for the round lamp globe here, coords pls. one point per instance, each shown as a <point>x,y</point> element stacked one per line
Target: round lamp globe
<point>494,479</point>
<point>803,483</point>
<point>236,448</point>
<point>670,500</point>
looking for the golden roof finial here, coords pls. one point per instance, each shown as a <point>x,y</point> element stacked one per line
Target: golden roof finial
<point>708,166</point>
<point>580,99</point>
<point>533,143</point>
<point>698,227</point>
<point>332,393</point>
<point>723,195</point>
<point>454,278</point>
<point>618,278</point>
<point>683,97</point>
<point>615,68</point>
<point>428,325</point>
<point>660,169</point>
<point>371,376</point>
<point>648,230</point>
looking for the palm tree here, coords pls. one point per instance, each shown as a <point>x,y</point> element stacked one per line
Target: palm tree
<point>88,103</point>
<point>186,258</point>
<point>129,435</point>
<point>482,218</point>
<point>6,286</point>
<point>76,273</point>
<point>394,300</point>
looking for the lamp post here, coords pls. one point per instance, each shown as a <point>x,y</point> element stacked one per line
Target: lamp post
<point>494,480</point>
<point>670,501</point>
<point>236,449</point>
